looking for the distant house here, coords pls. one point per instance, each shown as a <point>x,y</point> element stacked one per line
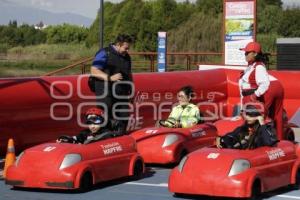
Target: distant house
<point>40,26</point>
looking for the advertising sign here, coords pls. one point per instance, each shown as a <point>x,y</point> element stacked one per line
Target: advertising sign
<point>239,29</point>
<point>162,52</point>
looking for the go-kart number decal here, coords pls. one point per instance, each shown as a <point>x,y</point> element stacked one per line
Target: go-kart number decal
<point>48,149</point>
<point>111,148</point>
<point>213,155</point>
<point>275,154</point>
<point>151,131</point>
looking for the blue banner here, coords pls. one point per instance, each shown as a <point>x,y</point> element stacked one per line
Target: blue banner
<point>162,52</point>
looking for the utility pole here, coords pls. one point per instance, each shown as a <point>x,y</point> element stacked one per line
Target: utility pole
<point>101,24</point>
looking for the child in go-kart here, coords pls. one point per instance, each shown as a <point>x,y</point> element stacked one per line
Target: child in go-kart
<point>94,119</point>
<point>185,114</point>
<point>252,134</point>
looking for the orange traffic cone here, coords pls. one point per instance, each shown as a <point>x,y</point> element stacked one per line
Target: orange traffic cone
<point>10,156</point>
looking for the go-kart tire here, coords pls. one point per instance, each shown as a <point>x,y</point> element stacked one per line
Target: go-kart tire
<point>182,154</point>
<point>289,134</point>
<point>179,195</point>
<point>86,182</point>
<point>296,186</point>
<point>138,170</point>
<point>256,191</point>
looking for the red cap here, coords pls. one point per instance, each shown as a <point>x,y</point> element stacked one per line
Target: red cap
<point>252,46</point>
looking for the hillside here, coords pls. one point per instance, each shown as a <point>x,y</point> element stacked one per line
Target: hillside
<point>10,11</point>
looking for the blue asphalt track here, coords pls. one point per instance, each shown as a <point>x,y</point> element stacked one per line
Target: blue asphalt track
<point>152,187</point>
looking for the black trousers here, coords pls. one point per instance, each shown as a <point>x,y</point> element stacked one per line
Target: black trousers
<point>113,107</point>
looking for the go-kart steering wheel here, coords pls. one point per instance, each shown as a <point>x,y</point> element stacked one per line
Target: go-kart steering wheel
<point>66,139</point>
<point>163,123</point>
<point>102,136</point>
<point>229,142</point>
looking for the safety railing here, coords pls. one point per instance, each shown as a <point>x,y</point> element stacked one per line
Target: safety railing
<point>147,61</point>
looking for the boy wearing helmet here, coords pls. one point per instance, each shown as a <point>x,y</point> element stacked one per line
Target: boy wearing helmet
<point>252,134</point>
<point>94,119</point>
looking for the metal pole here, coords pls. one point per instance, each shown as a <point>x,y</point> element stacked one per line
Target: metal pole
<point>101,24</point>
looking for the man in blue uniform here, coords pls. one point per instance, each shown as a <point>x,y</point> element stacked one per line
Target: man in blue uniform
<point>111,70</point>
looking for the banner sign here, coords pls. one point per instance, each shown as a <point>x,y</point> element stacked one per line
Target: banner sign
<point>162,52</point>
<point>239,29</point>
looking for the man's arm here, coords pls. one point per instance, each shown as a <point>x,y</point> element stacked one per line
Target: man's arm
<point>231,139</point>
<point>262,80</point>
<point>99,74</point>
<point>267,135</point>
<point>99,64</point>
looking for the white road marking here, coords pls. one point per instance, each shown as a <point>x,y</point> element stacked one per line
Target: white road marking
<point>166,185</point>
<point>142,193</point>
<point>288,196</point>
<point>148,184</point>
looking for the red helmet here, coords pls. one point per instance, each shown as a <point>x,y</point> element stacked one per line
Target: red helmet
<point>94,116</point>
<point>94,111</point>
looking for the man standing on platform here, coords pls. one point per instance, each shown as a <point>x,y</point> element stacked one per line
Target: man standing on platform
<point>113,82</point>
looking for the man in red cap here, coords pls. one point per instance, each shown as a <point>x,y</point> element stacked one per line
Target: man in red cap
<point>257,85</point>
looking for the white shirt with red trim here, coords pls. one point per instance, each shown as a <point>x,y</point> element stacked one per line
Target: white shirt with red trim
<point>262,79</point>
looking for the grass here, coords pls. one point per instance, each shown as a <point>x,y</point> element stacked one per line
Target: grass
<point>51,52</point>
<point>40,59</point>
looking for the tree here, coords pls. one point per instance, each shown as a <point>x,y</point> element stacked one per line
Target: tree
<point>111,12</point>
<point>129,18</point>
<point>212,6</point>
<point>290,24</point>
<point>269,19</point>
<point>65,33</point>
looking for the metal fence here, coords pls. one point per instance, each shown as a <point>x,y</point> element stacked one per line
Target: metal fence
<point>147,61</point>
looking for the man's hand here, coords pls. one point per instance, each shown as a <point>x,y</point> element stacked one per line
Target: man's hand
<point>177,124</point>
<point>261,120</point>
<point>116,77</point>
<point>218,142</point>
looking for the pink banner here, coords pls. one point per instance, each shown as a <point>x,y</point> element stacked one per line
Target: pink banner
<point>239,8</point>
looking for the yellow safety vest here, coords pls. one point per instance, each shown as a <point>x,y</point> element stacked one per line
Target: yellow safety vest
<point>187,116</point>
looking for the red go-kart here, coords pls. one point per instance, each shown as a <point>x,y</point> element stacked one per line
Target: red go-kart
<point>163,145</point>
<point>75,166</point>
<point>236,173</point>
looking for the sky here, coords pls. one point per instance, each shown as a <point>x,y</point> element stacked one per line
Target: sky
<point>86,8</point>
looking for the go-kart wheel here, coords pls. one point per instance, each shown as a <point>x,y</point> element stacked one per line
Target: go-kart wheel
<point>138,170</point>
<point>182,154</point>
<point>86,182</point>
<point>256,191</point>
<point>296,186</point>
<point>179,195</point>
<point>289,134</point>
